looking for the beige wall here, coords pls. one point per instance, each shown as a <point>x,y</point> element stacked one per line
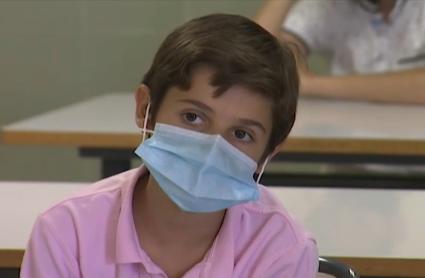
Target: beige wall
<point>53,53</point>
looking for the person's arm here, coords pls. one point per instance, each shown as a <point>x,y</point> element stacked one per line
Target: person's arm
<point>271,15</point>
<point>394,87</point>
<point>47,255</point>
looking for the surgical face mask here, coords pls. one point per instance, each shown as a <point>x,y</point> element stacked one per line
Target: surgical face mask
<point>199,172</point>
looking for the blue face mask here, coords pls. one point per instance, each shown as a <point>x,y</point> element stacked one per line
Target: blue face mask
<point>199,172</point>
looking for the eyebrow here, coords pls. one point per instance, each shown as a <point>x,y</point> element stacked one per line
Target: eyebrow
<point>253,123</point>
<point>199,104</point>
<point>203,106</point>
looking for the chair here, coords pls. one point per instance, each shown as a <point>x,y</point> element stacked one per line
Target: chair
<point>336,269</point>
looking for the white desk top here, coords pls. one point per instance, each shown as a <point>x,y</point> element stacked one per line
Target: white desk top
<point>322,124</point>
<point>326,118</point>
<point>360,222</point>
<point>112,113</point>
<point>22,202</point>
<point>345,222</point>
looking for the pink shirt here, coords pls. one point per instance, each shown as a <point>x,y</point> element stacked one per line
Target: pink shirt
<point>92,234</point>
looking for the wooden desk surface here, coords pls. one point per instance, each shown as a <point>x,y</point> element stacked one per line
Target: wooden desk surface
<point>322,125</point>
<point>379,232</point>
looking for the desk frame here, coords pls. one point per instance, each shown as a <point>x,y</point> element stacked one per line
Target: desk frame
<point>315,138</point>
<point>115,161</point>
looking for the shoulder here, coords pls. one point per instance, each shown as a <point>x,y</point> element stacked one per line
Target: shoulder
<point>91,205</point>
<point>270,212</point>
<point>319,8</point>
<point>266,233</point>
<point>269,221</point>
<point>101,189</point>
<point>314,21</point>
<point>416,11</point>
<point>83,225</point>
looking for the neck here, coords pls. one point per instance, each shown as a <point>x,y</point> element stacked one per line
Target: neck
<point>159,220</point>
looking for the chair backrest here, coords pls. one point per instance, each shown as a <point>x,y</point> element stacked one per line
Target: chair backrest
<point>336,269</point>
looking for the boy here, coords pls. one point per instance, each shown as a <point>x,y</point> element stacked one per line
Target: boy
<point>220,99</point>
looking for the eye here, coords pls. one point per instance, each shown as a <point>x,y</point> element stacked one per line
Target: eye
<point>242,135</point>
<point>192,118</point>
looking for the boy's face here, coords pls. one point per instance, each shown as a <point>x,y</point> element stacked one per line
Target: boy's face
<point>239,115</point>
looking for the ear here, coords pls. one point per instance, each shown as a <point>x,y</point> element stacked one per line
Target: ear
<point>142,97</point>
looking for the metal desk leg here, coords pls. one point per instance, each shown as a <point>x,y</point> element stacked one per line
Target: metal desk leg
<point>114,161</point>
<point>351,180</point>
<point>112,166</point>
<point>343,181</point>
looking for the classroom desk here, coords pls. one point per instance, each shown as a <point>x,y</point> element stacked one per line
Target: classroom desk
<point>325,131</point>
<point>379,232</point>
<point>20,203</point>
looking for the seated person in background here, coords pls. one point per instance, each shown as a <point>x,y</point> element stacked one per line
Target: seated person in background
<point>377,47</point>
<point>220,99</point>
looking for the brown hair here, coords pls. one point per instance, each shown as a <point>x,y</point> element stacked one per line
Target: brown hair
<point>241,53</point>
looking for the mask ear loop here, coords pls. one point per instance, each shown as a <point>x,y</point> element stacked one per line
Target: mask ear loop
<point>266,161</point>
<point>145,123</point>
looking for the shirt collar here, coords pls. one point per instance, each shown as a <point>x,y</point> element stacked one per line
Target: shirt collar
<point>373,8</point>
<point>127,247</point>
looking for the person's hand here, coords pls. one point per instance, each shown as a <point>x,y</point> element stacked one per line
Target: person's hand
<point>393,87</point>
